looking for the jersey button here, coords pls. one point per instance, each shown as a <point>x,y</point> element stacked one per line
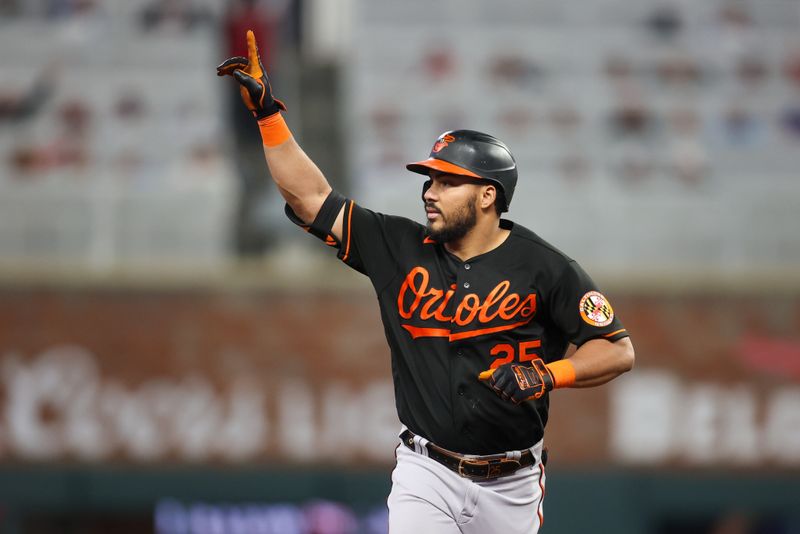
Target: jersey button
<point>461,390</point>
<point>467,266</point>
<point>466,285</point>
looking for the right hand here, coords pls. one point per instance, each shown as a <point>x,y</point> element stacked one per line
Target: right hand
<point>253,80</point>
<point>517,383</point>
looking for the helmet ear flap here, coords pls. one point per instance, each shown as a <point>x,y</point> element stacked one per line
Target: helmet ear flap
<point>425,187</point>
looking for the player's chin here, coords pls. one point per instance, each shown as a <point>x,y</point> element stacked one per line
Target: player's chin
<point>435,223</point>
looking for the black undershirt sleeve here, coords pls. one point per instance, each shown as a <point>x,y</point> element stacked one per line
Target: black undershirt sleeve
<point>370,242</point>
<point>321,225</point>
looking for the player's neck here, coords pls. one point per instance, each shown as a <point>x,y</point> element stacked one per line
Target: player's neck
<point>485,236</point>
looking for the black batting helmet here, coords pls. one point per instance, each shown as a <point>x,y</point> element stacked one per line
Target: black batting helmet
<point>475,154</point>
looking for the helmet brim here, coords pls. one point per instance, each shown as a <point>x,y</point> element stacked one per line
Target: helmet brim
<point>427,165</point>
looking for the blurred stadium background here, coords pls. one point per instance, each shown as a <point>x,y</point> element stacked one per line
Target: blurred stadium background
<point>176,358</point>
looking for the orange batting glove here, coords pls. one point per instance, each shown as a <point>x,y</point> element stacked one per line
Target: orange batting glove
<point>253,80</point>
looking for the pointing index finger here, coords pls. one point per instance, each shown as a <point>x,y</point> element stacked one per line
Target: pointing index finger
<point>486,375</point>
<point>254,67</point>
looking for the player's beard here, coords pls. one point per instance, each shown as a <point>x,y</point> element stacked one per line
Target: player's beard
<point>456,225</point>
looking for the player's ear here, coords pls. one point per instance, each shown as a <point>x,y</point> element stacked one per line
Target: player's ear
<point>488,196</point>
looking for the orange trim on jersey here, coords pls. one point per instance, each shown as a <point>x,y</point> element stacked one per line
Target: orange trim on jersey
<point>541,499</point>
<point>349,221</point>
<point>614,333</point>
<point>418,331</point>
<point>441,165</point>
<point>428,241</point>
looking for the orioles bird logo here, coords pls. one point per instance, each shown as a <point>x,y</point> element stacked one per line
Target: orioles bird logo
<point>443,142</point>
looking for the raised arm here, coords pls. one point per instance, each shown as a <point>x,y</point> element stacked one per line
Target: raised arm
<point>298,178</point>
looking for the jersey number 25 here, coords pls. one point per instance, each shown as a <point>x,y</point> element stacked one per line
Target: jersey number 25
<point>504,352</point>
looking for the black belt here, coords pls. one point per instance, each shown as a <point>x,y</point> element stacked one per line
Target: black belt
<point>473,467</point>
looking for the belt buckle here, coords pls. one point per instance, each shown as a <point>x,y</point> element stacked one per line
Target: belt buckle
<point>494,467</point>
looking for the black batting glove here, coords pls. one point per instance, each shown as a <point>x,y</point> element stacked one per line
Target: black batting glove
<point>253,80</point>
<point>517,383</point>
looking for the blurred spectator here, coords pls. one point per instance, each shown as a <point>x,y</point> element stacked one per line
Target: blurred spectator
<point>687,158</point>
<point>737,28</point>
<point>752,71</point>
<point>57,9</point>
<point>618,68</point>
<point>183,15</point>
<point>439,63</point>
<point>253,234</point>
<point>515,70</point>
<point>53,10</point>
<point>565,119</point>
<point>665,22</point>
<point>741,126</point>
<point>69,149</point>
<point>735,15</point>
<point>27,159</point>
<point>632,118</point>
<point>261,16</point>
<point>130,105</point>
<point>386,119</point>
<point>683,121</point>
<point>634,165</point>
<point>679,71</point>
<point>9,8</point>
<point>688,161</point>
<point>621,72</point>
<point>791,68</point>
<point>16,106</point>
<point>790,120</point>
<point>518,119</point>
<point>76,116</point>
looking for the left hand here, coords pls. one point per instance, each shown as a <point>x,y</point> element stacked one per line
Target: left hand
<point>517,383</point>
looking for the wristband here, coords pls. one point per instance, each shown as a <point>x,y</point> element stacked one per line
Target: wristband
<point>563,373</point>
<point>274,130</point>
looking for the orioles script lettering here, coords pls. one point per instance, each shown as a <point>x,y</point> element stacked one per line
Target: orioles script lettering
<point>416,299</point>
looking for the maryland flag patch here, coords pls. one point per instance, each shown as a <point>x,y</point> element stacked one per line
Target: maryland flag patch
<point>595,309</point>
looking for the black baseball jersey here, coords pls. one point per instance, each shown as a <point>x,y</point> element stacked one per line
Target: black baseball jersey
<point>446,320</point>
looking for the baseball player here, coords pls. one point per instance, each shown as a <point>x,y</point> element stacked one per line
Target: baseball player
<point>478,312</point>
